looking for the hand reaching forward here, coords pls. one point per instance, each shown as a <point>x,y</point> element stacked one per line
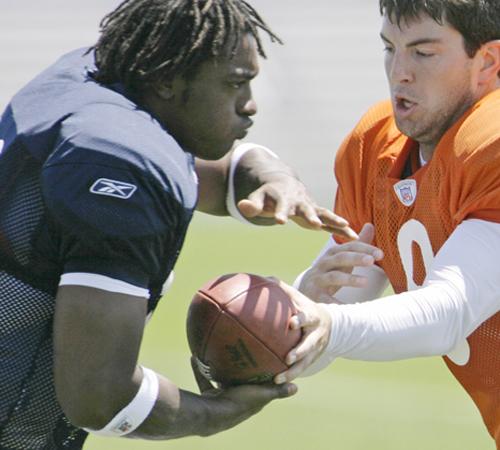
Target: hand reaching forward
<point>267,191</point>
<point>283,197</point>
<point>334,269</point>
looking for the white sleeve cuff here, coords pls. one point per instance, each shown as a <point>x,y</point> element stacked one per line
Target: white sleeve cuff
<point>237,154</point>
<point>102,282</point>
<point>136,412</point>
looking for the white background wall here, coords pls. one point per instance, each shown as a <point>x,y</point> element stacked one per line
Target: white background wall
<point>310,93</point>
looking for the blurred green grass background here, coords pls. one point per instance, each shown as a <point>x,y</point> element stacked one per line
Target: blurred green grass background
<point>407,405</point>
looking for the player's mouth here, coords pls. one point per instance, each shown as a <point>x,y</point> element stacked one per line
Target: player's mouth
<point>243,131</point>
<point>403,106</point>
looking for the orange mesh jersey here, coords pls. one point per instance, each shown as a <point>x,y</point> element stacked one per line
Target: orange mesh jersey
<point>414,216</point>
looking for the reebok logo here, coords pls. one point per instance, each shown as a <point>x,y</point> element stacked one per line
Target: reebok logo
<point>113,188</point>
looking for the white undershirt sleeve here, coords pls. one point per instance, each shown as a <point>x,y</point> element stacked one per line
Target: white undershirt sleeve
<point>461,291</point>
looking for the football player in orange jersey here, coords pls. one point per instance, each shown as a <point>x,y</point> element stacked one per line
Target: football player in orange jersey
<point>423,172</point>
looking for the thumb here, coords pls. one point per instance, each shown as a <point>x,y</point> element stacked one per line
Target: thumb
<point>367,233</point>
<point>286,390</point>
<point>274,391</point>
<point>251,208</point>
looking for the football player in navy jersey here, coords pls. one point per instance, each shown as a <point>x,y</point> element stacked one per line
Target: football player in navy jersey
<point>104,157</point>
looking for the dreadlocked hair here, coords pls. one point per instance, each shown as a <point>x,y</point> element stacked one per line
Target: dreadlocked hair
<point>143,41</point>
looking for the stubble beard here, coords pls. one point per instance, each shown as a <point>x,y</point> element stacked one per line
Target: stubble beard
<point>428,132</point>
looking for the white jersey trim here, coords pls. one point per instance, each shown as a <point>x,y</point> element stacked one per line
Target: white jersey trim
<point>102,282</point>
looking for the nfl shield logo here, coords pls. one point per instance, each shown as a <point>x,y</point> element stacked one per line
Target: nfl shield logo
<point>406,191</point>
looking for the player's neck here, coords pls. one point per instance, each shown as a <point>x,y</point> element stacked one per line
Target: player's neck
<point>426,151</point>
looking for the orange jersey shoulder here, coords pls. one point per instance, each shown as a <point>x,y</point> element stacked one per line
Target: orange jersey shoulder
<point>470,155</point>
<point>356,159</point>
<point>465,168</point>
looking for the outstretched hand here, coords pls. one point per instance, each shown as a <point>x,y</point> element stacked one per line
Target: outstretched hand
<point>283,197</point>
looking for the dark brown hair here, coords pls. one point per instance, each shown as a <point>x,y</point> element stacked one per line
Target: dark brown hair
<point>478,21</point>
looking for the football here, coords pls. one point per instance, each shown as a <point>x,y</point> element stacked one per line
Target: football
<point>238,329</point>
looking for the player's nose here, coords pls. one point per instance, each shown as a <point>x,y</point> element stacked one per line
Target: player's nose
<point>249,107</point>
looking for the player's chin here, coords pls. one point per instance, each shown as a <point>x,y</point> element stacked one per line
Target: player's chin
<point>215,150</point>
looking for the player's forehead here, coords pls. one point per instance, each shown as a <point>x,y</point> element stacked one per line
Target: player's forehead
<point>416,29</point>
<point>242,62</point>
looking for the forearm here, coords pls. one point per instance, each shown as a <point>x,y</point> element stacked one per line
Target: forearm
<point>254,186</point>
<point>401,326</point>
<point>233,177</point>
<point>427,322</point>
<point>162,413</point>
<point>177,413</point>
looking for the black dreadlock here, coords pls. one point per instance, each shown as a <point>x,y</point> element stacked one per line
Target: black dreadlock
<point>150,40</point>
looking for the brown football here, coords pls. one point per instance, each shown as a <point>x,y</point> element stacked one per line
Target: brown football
<point>238,329</point>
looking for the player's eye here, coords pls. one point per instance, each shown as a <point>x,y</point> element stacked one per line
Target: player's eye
<point>424,54</point>
<point>237,84</point>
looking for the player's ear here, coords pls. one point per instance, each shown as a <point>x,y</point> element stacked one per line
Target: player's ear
<point>167,90</point>
<point>490,62</point>
<point>163,89</point>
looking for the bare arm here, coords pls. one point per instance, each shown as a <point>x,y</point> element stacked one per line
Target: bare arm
<point>267,192</point>
<point>97,336</point>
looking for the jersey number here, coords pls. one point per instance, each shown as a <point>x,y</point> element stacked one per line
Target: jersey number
<point>414,232</point>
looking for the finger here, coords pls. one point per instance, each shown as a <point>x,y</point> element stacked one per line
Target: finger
<point>305,223</point>
<point>203,383</point>
<point>353,247</point>
<point>302,319</point>
<point>333,281</point>
<point>311,344</point>
<point>346,260</point>
<point>261,394</point>
<point>293,371</point>
<point>306,216</point>
<point>283,210</point>
<point>298,299</point>
<point>330,218</point>
<point>367,233</point>
<point>284,390</point>
<point>251,208</point>
<point>335,224</point>
<point>341,231</point>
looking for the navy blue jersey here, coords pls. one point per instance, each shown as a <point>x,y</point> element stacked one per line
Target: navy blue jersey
<point>92,188</point>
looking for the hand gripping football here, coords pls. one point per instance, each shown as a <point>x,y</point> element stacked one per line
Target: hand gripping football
<point>238,329</point>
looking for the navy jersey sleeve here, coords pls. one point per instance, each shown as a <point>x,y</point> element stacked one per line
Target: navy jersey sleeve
<point>114,209</point>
